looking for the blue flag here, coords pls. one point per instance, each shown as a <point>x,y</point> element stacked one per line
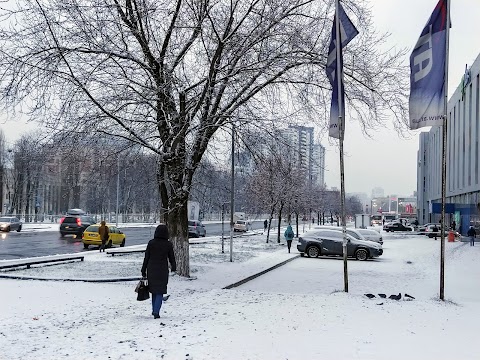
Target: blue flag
<point>347,33</point>
<point>427,71</point>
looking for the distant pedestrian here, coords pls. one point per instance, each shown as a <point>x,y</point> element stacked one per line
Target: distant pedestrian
<point>155,267</point>
<point>454,225</point>
<point>289,235</point>
<point>435,231</point>
<point>383,221</point>
<point>103,231</point>
<point>472,234</point>
<point>265,225</point>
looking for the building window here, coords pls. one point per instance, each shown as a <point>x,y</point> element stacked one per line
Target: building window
<point>477,124</point>
<point>463,129</point>
<point>449,146</point>
<point>470,105</point>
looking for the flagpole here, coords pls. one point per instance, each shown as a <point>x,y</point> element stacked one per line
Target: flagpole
<point>444,160</point>
<point>341,123</point>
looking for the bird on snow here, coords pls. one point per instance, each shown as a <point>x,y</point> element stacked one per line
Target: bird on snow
<point>408,296</point>
<point>370,296</point>
<point>383,296</point>
<point>395,297</point>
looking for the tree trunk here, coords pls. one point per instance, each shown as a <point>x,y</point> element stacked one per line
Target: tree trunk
<point>178,231</point>
<point>270,222</point>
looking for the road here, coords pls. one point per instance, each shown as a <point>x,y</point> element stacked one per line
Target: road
<point>30,243</point>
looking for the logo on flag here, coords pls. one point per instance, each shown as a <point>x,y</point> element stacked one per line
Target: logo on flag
<point>347,33</point>
<point>427,71</point>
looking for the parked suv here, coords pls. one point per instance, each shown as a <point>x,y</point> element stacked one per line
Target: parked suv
<point>330,242</point>
<point>350,231</point>
<point>75,224</point>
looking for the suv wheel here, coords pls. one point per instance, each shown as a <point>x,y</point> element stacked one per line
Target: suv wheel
<point>313,251</point>
<point>62,234</point>
<point>361,254</point>
<point>19,228</point>
<point>85,246</point>
<point>123,243</point>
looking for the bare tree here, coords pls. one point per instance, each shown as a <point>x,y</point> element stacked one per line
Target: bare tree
<point>167,75</point>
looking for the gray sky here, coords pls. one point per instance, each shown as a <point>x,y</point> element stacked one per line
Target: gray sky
<point>386,160</point>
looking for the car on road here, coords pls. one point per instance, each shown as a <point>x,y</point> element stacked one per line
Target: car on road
<point>10,223</point>
<point>427,229</point>
<point>371,235</point>
<point>92,237</point>
<point>196,228</point>
<point>330,242</point>
<point>240,225</point>
<point>75,224</point>
<point>396,226</point>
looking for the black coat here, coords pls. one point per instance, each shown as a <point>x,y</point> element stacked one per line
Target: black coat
<point>472,232</point>
<point>155,264</point>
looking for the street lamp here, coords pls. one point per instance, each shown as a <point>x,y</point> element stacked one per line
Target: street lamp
<point>118,189</point>
<point>223,218</point>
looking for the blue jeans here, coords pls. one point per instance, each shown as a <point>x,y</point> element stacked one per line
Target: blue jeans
<point>472,241</point>
<point>156,303</point>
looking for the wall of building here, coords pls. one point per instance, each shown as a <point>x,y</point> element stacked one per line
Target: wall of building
<point>462,156</point>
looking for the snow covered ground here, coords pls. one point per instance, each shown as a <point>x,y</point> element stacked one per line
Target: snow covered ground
<point>294,312</point>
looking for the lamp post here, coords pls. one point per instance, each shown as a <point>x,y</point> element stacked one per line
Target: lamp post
<point>223,218</point>
<point>296,216</point>
<point>118,189</point>
<point>232,194</point>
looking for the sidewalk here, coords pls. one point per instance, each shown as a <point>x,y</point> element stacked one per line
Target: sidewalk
<point>77,320</point>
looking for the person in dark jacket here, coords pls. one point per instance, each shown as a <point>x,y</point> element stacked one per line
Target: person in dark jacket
<point>155,266</point>
<point>435,231</point>
<point>472,234</point>
<point>265,225</point>
<point>103,231</point>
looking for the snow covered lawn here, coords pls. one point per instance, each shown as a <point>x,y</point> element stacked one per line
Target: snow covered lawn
<point>293,312</point>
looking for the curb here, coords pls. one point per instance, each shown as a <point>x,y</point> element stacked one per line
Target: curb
<point>20,277</point>
<point>254,276</point>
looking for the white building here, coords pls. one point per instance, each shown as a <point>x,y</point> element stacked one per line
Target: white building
<point>462,158</point>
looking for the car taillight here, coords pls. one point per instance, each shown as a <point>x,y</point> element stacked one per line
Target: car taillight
<point>79,222</point>
<point>61,220</point>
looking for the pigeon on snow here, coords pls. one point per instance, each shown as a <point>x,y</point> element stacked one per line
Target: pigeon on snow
<point>383,296</point>
<point>370,296</point>
<point>408,296</point>
<point>395,297</point>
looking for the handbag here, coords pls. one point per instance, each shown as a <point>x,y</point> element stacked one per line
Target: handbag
<point>142,290</point>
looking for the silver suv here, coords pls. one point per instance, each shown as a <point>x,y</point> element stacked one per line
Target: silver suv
<point>350,231</point>
<point>330,242</point>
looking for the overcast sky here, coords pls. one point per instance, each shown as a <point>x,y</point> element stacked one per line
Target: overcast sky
<point>388,161</point>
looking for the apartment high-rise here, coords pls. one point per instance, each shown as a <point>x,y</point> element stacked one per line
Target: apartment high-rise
<point>308,156</point>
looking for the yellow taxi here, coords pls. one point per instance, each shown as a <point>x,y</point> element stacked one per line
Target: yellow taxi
<point>92,237</point>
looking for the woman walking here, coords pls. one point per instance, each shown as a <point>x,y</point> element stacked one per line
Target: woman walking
<point>289,235</point>
<point>155,266</point>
